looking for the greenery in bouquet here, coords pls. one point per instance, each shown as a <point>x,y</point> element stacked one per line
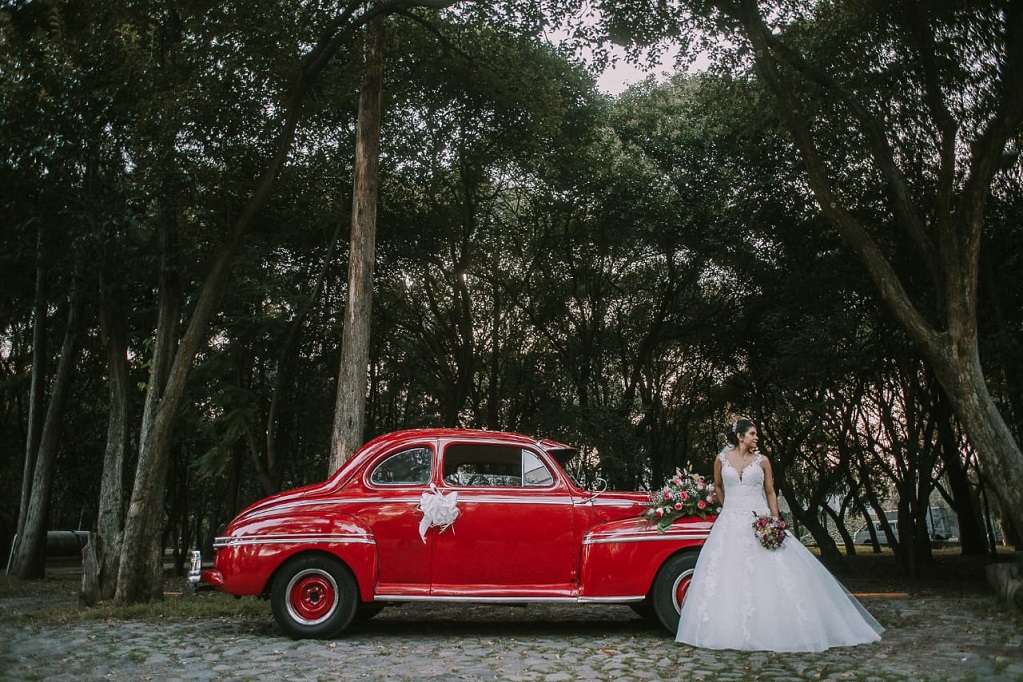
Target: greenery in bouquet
<point>769,530</point>
<point>685,494</point>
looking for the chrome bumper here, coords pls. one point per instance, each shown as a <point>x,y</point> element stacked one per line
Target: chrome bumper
<point>195,568</point>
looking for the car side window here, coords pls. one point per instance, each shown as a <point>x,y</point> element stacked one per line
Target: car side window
<point>499,466</point>
<point>408,467</point>
<point>534,471</point>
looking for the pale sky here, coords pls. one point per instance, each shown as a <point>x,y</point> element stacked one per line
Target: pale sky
<point>622,75</point>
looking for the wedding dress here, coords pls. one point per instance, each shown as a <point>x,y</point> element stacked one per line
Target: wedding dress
<point>743,596</point>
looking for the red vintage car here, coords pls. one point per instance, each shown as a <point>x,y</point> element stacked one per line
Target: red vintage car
<point>451,515</point>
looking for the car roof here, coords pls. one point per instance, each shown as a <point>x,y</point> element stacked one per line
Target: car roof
<point>562,453</point>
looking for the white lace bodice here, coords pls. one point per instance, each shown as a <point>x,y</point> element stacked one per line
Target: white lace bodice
<point>744,490</point>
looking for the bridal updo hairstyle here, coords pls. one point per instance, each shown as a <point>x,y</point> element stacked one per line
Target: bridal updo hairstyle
<point>737,428</point>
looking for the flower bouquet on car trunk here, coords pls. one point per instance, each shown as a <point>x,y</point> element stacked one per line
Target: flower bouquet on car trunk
<point>685,494</point>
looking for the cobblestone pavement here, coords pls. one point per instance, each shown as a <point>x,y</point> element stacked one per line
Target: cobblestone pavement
<point>964,637</point>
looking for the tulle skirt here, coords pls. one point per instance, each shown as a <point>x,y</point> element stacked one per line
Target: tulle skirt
<point>743,596</point>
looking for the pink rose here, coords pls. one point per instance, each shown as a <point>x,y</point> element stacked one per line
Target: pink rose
<point>678,505</point>
<point>660,512</point>
<point>667,495</point>
<point>701,504</point>
<point>685,496</point>
<point>700,485</point>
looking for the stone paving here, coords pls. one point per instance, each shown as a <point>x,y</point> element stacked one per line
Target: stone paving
<point>929,637</point>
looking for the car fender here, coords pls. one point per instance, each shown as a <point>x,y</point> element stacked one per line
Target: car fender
<point>254,550</point>
<point>621,558</point>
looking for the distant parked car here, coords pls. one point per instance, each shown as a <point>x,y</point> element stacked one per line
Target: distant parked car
<point>451,515</point>
<point>862,536</point>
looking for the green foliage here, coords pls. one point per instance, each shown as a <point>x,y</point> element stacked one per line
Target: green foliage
<point>622,274</point>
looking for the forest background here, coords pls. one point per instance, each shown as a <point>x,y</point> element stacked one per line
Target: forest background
<point>821,231</point>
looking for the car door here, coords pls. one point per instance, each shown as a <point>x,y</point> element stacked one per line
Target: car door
<point>514,533</point>
<point>393,487</point>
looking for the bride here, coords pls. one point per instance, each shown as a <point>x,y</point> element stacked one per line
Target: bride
<point>744,596</point>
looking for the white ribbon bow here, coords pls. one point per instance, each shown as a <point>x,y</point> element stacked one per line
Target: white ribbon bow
<point>439,510</point>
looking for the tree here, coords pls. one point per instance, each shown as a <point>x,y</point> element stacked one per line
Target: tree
<point>350,406</point>
<point>141,547</point>
<point>910,171</point>
<point>29,559</point>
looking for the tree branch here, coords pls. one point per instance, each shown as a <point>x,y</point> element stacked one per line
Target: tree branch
<point>881,151</point>
<point>870,254</point>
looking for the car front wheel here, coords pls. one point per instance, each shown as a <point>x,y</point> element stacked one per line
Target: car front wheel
<point>670,587</point>
<point>314,597</point>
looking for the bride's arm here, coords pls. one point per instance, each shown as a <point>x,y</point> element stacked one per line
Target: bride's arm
<point>772,497</point>
<point>719,489</point>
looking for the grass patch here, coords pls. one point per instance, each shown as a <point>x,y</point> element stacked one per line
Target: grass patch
<point>54,600</point>
<point>56,585</point>
<point>183,607</point>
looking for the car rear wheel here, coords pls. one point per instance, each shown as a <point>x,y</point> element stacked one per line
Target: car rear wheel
<point>314,597</point>
<point>670,587</point>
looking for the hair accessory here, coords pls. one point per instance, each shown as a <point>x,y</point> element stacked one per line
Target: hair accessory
<point>735,427</point>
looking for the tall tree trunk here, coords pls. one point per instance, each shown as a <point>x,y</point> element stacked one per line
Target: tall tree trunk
<point>139,575</point>
<point>963,500</point>
<point>30,556</point>
<point>103,553</point>
<point>493,385</point>
<point>37,381</point>
<point>350,406</point>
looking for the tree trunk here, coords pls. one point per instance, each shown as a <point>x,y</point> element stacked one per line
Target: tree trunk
<point>99,577</point>
<point>964,501</point>
<point>988,432</point>
<point>38,380</point>
<point>349,409</point>
<point>139,575</point>
<point>847,539</point>
<point>30,556</point>
<point>828,549</point>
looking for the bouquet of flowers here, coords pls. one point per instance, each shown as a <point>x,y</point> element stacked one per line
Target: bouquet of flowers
<point>685,494</point>
<point>769,530</point>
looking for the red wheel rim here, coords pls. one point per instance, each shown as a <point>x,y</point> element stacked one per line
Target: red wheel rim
<point>312,596</point>
<point>680,588</point>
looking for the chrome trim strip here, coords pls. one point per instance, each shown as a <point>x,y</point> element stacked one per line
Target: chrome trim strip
<point>478,600</point>
<point>465,495</point>
<point>643,538</point>
<point>335,501</point>
<point>284,538</point>
<point>511,600</point>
